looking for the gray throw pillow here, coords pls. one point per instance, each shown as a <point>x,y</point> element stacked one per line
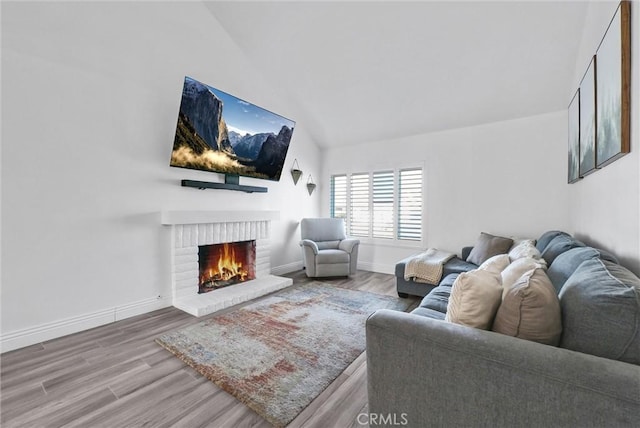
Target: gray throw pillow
<point>488,246</point>
<point>601,311</point>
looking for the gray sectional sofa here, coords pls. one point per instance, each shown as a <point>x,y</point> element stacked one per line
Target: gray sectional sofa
<point>428,372</point>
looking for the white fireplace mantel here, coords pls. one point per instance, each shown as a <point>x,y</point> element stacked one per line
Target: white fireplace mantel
<point>204,217</point>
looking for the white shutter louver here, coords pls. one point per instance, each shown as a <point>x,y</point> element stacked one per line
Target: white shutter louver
<point>339,196</point>
<point>360,217</point>
<point>410,204</point>
<point>382,196</point>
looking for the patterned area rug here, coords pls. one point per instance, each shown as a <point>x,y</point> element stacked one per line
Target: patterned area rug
<point>277,354</point>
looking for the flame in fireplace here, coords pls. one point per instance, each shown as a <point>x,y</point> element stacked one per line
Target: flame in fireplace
<point>228,266</point>
<point>227,269</point>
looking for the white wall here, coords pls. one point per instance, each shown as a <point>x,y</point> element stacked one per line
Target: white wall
<point>91,93</point>
<point>605,206</point>
<point>505,178</point>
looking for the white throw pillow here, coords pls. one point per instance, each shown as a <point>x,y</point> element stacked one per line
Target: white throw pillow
<point>475,298</point>
<point>517,241</point>
<point>496,264</point>
<point>524,249</point>
<point>517,268</point>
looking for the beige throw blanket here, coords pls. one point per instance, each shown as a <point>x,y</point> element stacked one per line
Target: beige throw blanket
<point>427,267</point>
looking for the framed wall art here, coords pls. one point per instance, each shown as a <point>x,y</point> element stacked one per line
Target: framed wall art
<point>587,139</point>
<point>574,138</point>
<point>613,89</point>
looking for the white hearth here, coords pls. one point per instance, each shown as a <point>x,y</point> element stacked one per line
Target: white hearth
<point>189,229</point>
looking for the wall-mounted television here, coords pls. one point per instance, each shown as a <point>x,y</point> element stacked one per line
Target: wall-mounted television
<point>218,132</point>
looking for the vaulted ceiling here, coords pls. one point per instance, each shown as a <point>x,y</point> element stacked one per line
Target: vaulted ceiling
<point>356,72</point>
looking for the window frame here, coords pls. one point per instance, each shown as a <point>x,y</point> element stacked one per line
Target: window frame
<point>378,241</point>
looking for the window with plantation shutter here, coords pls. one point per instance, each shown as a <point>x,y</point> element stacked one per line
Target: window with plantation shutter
<point>360,215</point>
<point>410,204</point>
<point>382,205</point>
<point>339,196</point>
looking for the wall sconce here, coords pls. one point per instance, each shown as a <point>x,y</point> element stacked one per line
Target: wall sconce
<point>296,172</point>
<point>311,186</point>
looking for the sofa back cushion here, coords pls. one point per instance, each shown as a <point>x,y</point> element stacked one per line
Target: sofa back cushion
<point>566,263</point>
<point>601,311</point>
<point>559,245</point>
<point>530,310</point>
<point>546,237</point>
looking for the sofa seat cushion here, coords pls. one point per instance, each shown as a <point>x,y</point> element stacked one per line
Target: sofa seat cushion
<point>429,313</point>
<point>601,311</point>
<point>559,245</point>
<point>457,265</point>
<point>332,256</point>
<point>437,299</point>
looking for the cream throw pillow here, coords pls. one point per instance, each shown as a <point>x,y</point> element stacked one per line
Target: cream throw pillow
<point>496,264</point>
<point>475,298</point>
<point>524,249</point>
<point>516,269</point>
<point>531,310</point>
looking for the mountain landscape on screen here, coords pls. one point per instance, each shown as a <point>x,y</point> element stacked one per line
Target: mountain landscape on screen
<point>218,132</point>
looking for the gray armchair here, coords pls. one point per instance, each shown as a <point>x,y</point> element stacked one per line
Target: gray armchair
<point>326,250</point>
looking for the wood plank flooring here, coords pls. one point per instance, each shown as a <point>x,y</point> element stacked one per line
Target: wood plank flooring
<point>117,376</point>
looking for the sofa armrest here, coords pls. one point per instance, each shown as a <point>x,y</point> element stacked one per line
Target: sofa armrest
<point>348,244</point>
<point>436,373</point>
<point>309,244</point>
<point>464,254</point>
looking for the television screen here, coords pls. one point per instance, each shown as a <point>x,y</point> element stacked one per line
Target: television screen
<point>218,132</point>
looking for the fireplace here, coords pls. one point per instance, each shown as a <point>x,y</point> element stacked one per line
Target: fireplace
<point>191,230</point>
<point>222,265</point>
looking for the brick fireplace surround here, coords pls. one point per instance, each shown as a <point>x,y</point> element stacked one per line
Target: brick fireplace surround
<point>189,229</point>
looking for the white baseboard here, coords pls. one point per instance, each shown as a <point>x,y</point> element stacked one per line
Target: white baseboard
<point>41,333</point>
<point>32,335</point>
<point>368,266</point>
<point>289,267</point>
<point>377,267</point>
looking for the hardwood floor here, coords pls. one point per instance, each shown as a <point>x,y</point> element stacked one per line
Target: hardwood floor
<point>117,376</point>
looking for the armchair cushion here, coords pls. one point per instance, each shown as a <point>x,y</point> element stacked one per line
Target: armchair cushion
<point>328,245</point>
<point>332,256</point>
